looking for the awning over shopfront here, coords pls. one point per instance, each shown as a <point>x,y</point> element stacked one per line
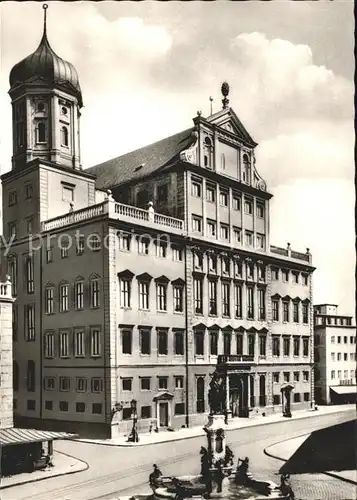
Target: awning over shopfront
<point>13,436</point>
<point>344,389</point>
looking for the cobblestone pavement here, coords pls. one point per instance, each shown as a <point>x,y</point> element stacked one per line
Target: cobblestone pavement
<point>116,472</point>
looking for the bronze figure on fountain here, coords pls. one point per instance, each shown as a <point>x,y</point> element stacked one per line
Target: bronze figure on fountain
<point>217,395</point>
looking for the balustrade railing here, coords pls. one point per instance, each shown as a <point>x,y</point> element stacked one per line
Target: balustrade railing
<point>235,358</point>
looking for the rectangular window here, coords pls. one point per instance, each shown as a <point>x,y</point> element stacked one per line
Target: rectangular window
<point>211,228</point>
<point>178,298</point>
<point>162,342</point>
<point>95,342</point>
<point>127,384</point>
<point>145,412</point>
<point>144,295</point>
<point>29,230</point>
<point>260,241</point>
<point>226,299</point>
<point>126,341</point>
<point>236,202</point>
<point>296,346</point>
<point>227,341</point>
<point>145,383</point>
<point>224,232</point>
<point>30,280</point>
<point>212,296</point>
<point>64,344</point>
<point>49,345</point>
<point>49,300</point>
<point>223,198</point>
<point>198,260</point>
<point>198,292</point>
<point>127,413</point>
<point>296,376</point>
<point>161,250</point>
<point>12,198</point>
<point>80,407</point>
<point>145,341</point>
<point>226,266</point>
<point>305,376</point>
<point>179,382</point>
<point>30,322</point>
<point>124,242</point>
<point>143,246</point>
<point>295,276</point>
<point>276,377</point>
<point>80,245</point>
<point>238,269</point>
<point>214,343</point>
<point>262,345</point>
<point>179,408</point>
<point>286,346</point>
<point>305,346</point>
<point>296,312</point>
<point>210,193</point>
<point>238,301</point>
<point>250,271</point>
<point>338,356</point>
<point>305,279</point>
<point>63,406</point>
<point>276,345</point>
<point>79,343</point>
<point>251,344</point>
<point>286,377</point>
<point>64,384</point>
<point>31,376</point>
<point>196,188</point>
<point>161,297</point>
<point>94,294</point>
<point>248,238</point>
<point>261,304</point>
<point>333,374</point>
<point>286,311</point>
<point>162,194</point>
<point>48,405</point>
<point>297,397</point>
<point>260,210</point>
<point>239,340</point>
<point>196,224</point>
<point>64,250</point>
<point>96,408</point>
<point>68,194</point>
<point>261,272</point>
<point>199,343</point>
<point>163,382</point>
<point>248,207</point>
<point>64,297</point>
<point>49,255</point>
<point>31,404</point>
<point>125,293</point>
<point>79,295</point>
<point>250,303</point>
<point>177,254</point>
<point>179,343</point>
<point>305,313</point>
<point>81,384</point>
<point>237,234</point>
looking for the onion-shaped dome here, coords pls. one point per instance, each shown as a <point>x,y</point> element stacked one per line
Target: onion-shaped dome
<point>45,64</point>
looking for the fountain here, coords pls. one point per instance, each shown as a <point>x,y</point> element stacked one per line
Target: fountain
<point>217,478</point>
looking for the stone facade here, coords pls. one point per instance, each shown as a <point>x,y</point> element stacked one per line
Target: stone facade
<point>6,375</point>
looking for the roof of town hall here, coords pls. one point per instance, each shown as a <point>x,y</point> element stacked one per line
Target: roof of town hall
<point>141,162</point>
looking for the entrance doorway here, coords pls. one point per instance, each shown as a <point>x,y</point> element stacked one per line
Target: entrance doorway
<point>164,414</point>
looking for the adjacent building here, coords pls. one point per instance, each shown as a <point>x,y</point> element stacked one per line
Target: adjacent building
<point>136,278</point>
<point>335,356</point>
<point>6,394</point>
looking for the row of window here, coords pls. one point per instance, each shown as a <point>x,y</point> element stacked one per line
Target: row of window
<point>333,321</point>
<point>297,398</point>
<point>344,376</point>
<point>290,377</point>
<point>249,270</point>
<point>146,385</point>
<point>81,384</point>
<point>283,307</point>
<point>79,344</point>
<point>145,341</point>
<point>28,194</point>
<point>338,356</point>
<point>337,339</point>
<point>97,408</point>
<point>225,198</point>
<point>78,295</point>
<point>288,276</point>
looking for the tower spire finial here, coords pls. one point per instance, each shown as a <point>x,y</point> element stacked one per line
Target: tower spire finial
<point>225,92</point>
<point>45,7</point>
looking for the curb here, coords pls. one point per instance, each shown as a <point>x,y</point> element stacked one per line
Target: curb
<point>330,474</point>
<point>201,433</point>
<point>37,479</point>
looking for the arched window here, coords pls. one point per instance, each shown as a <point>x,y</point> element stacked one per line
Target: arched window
<point>208,153</point>
<point>41,132</point>
<point>64,136</point>
<point>246,169</point>
<point>200,394</point>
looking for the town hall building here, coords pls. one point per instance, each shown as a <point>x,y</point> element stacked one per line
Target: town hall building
<point>137,278</point>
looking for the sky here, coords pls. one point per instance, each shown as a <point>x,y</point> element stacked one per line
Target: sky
<point>146,68</point>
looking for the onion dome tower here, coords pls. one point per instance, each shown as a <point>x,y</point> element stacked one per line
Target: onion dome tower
<point>46,101</point>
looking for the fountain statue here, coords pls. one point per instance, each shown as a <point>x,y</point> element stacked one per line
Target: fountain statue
<point>217,478</point>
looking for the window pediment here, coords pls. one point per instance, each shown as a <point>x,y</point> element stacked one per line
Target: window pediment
<point>178,282</point>
<point>162,279</point>
<point>199,326</point>
<point>144,277</point>
<point>126,274</point>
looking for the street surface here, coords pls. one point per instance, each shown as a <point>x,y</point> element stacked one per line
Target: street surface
<point>119,471</point>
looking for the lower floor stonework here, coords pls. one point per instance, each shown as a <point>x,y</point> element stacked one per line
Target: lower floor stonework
<point>153,399</point>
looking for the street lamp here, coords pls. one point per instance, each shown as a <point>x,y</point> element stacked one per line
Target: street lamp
<point>133,437</point>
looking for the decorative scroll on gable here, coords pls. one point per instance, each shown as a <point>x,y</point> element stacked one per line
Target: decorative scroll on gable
<point>258,181</point>
<point>190,155</point>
